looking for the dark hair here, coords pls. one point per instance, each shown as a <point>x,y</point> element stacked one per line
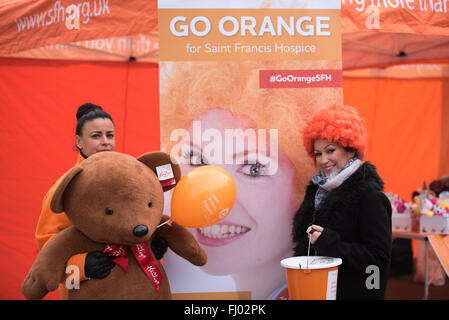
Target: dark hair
<point>415,193</point>
<point>440,185</point>
<point>89,111</point>
<point>351,149</point>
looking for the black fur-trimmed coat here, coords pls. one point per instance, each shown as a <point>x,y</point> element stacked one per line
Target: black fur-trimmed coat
<point>356,218</point>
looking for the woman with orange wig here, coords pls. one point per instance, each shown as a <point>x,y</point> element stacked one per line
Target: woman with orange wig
<point>344,213</point>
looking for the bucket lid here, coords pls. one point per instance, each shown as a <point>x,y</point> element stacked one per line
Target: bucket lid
<point>315,262</point>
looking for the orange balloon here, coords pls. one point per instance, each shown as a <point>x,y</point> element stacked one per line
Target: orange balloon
<point>202,197</point>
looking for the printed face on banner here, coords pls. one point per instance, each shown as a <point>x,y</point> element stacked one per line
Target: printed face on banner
<point>250,235</point>
<point>236,87</point>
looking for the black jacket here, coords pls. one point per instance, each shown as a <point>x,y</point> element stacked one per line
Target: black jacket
<point>356,218</point>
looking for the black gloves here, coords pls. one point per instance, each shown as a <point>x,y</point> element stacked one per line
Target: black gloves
<point>98,265</point>
<point>159,247</point>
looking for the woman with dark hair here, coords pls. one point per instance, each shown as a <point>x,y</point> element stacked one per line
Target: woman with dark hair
<point>95,132</point>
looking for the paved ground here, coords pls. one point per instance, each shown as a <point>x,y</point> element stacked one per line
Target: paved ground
<point>403,288</point>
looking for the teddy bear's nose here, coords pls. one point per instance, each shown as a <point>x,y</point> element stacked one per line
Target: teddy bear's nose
<point>140,230</point>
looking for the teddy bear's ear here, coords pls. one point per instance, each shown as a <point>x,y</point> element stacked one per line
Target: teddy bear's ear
<point>57,201</point>
<point>166,169</point>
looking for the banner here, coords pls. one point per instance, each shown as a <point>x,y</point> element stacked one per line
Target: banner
<point>33,24</point>
<point>238,80</point>
<point>398,16</point>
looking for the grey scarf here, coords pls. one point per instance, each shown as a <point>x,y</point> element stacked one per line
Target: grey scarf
<point>334,180</point>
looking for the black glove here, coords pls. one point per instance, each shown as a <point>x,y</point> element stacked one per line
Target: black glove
<point>98,265</point>
<point>159,247</point>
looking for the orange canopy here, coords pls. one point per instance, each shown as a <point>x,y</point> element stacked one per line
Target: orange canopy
<point>375,32</point>
<point>378,33</point>
<point>91,30</point>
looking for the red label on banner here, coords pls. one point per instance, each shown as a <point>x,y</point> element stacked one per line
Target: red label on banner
<point>300,78</point>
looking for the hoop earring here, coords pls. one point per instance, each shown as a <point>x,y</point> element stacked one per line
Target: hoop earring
<point>82,154</point>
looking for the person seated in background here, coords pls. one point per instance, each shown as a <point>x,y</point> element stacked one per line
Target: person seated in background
<point>440,185</point>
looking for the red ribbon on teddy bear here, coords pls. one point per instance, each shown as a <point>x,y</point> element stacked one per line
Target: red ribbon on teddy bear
<point>143,256</point>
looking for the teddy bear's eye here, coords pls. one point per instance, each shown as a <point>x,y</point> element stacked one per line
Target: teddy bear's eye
<point>150,204</point>
<point>109,211</point>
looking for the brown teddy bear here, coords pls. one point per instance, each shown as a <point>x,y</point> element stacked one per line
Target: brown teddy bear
<point>115,204</point>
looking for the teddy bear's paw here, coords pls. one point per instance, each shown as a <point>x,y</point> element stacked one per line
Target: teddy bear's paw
<point>33,287</point>
<point>52,285</point>
<point>201,259</point>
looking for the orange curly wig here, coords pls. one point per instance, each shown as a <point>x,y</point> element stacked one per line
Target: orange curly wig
<point>340,124</point>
